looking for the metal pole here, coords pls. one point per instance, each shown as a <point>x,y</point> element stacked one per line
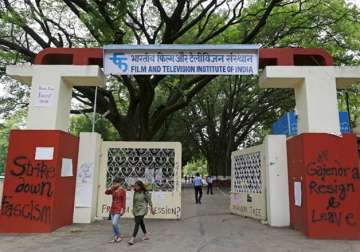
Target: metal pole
<point>348,108</point>
<point>94,113</point>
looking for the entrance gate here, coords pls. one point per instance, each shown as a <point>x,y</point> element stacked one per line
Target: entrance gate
<point>316,104</point>
<point>159,164</point>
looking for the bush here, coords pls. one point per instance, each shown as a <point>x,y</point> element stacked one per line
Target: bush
<point>194,166</point>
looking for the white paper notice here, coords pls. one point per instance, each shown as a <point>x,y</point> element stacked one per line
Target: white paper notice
<point>44,96</point>
<point>66,167</point>
<point>84,185</point>
<point>44,153</point>
<point>237,199</point>
<point>297,193</point>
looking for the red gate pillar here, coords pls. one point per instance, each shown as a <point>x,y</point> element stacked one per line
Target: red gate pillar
<point>39,186</point>
<point>324,185</point>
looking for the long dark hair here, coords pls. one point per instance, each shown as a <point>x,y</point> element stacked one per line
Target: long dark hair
<point>140,184</point>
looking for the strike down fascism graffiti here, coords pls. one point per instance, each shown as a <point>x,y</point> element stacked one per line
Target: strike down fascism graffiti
<point>33,180</point>
<point>247,173</point>
<point>154,166</point>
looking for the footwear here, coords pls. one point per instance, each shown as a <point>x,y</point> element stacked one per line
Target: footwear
<point>118,239</point>
<point>131,242</point>
<point>146,238</point>
<point>113,240</point>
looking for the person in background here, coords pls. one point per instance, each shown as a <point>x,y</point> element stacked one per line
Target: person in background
<point>198,188</point>
<point>118,206</point>
<point>209,181</point>
<point>141,201</point>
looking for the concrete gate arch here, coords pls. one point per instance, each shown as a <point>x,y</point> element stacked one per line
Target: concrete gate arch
<point>56,70</point>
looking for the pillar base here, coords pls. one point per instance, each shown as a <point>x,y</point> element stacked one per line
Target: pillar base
<point>39,184</point>
<point>324,186</point>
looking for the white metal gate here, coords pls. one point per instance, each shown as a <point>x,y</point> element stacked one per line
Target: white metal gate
<point>157,164</point>
<point>248,196</point>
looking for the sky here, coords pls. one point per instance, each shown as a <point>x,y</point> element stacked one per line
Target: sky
<point>357,2</point>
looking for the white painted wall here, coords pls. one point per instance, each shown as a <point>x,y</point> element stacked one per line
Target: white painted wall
<point>87,177</point>
<point>356,130</point>
<point>315,92</point>
<point>277,188</point>
<point>168,203</point>
<point>61,79</point>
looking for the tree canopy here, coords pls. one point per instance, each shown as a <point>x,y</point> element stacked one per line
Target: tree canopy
<point>162,107</point>
<point>28,26</point>
<point>16,122</point>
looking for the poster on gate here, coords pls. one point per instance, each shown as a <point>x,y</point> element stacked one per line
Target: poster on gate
<point>84,184</point>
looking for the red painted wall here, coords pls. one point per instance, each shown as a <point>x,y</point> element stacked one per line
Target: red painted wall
<point>327,166</point>
<point>36,198</point>
<point>222,183</point>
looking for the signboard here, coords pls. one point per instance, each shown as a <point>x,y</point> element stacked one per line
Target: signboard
<point>181,59</point>
<point>287,124</point>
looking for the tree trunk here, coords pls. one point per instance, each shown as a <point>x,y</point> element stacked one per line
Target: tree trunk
<point>219,162</point>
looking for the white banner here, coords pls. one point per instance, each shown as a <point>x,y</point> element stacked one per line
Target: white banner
<point>181,60</point>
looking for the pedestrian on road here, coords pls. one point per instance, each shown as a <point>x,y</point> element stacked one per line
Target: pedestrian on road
<point>118,206</point>
<point>198,183</point>
<point>141,201</point>
<point>209,181</point>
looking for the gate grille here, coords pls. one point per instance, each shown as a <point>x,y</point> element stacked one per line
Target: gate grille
<point>247,173</point>
<point>154,166</point>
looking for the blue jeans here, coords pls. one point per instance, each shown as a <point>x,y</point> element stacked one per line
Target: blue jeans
<point>115,219</point>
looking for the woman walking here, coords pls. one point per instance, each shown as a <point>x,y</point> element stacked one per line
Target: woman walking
<point>141,201</point>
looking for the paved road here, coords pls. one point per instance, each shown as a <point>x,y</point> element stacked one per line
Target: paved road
<point>207,227</point>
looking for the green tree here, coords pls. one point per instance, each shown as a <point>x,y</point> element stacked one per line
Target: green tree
<point>223,117</point>
<point>83,123</point>
<point>196,166</point>
<point>353,103</point>
<point>219,127</point>
<point>16,122</point>
<point>144,107</point>
<point>333,25</point>
<point>29,26</point>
